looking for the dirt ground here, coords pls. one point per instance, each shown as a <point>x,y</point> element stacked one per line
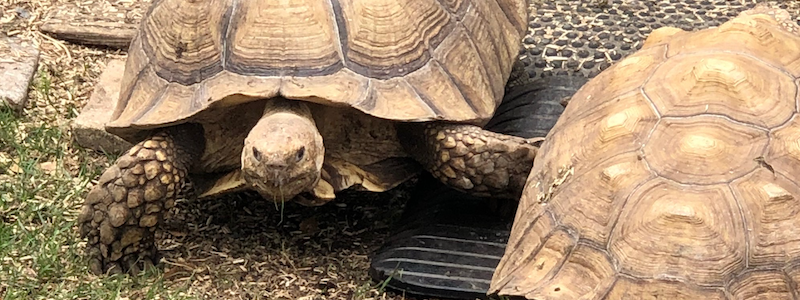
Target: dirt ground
<point>238,247</point>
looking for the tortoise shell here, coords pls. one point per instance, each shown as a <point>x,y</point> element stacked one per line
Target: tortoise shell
<point>405,60</point>
<point>674,174</point>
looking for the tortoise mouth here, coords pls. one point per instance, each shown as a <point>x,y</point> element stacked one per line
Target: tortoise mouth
<point>275,185</point>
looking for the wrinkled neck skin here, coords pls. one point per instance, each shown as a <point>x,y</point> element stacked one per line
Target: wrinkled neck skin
<point>283,153</point>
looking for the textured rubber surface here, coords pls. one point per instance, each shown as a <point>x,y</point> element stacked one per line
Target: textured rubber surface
<point>447,244</point>
<point>532,110</point>
<point>587,36</point>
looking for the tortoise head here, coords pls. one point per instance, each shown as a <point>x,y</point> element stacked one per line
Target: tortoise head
<point>283,153</point>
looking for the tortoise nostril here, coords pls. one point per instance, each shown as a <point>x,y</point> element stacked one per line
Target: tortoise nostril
<point>300,154</point>
<point>256,154</point>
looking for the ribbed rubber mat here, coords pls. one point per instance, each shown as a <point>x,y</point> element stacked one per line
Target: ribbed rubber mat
<point>441,260</point>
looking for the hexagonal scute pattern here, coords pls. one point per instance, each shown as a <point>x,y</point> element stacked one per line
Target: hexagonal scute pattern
<point>673,174</point>
<point>737,86</point>
<point>680,149</point>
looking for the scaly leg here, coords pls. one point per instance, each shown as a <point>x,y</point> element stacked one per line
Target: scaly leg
<point>519,76</point>
<point>121,213</point>
<point>471,159</point>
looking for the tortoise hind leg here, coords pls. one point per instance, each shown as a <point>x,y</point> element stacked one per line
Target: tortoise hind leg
<point>121,212</point>
<point>518,77</point>
<point>470,159</point>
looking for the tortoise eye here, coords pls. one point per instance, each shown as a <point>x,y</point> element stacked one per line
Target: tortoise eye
<point>300,153</point>
<point>256,154</point>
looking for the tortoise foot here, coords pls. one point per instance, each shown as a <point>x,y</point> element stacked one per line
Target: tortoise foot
<point>481,162</point>
<point>121,213</point>
<point>473,160</point>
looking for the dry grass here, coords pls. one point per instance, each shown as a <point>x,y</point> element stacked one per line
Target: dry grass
<point>234,247</point>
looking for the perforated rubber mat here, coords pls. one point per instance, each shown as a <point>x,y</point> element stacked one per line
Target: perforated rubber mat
<point>587,36</point>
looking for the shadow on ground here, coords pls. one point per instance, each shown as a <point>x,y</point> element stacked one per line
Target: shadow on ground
<point>239,246</point>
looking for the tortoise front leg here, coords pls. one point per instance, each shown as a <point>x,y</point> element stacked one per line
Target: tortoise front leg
<point>121,212</point>
<point>471,159</point>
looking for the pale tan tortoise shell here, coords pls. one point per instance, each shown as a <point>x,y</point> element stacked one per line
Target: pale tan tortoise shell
<point>405,60</point>
<point>674,174</point>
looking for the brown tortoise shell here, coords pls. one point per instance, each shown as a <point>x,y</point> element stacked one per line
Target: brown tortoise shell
<point>405,60</point>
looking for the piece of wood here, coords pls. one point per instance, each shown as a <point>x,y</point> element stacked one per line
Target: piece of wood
<point>93,33</point>
<point>18,62</point>
<point>89,127</point>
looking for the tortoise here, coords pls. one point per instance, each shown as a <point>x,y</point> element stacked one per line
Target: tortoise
<point>301,99</point>
<point>670,175</point>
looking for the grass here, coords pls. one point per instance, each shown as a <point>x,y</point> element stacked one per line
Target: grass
<point>233,247</point>
<point>43,183</point>
<point>215,249</point>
